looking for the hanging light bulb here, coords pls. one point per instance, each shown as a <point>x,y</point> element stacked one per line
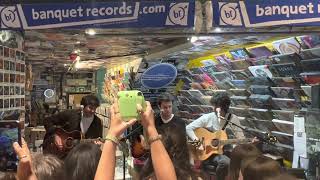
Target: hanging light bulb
<point>193,39</point>
<point>91,32</point>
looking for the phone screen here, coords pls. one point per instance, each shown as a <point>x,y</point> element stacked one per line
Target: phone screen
<point>9,133</point>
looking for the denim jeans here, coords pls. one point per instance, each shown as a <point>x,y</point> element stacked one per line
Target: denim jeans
<point>222,165</point>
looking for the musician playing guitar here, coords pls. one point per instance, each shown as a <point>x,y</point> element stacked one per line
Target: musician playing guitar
<point>83,122</point>
<point>212,122</point>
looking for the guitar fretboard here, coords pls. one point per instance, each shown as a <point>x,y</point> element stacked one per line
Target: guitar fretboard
<point>234,141</point>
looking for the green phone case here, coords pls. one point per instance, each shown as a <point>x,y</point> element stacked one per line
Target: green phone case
<point>128,101</point>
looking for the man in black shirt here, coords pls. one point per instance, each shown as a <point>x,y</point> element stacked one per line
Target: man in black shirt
<point>166,115</point>
<point>84,121</point>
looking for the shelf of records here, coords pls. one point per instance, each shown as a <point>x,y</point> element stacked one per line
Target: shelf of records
<point>265,92</point>
<point>12,66</point>
<point>278,121</point>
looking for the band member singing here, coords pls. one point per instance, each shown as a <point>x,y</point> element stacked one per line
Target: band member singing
<point>213,122</point>
<point>84,121</point>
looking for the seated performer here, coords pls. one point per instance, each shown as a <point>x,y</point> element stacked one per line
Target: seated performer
<point>213,122</point>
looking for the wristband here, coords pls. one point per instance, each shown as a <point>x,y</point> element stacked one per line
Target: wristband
<point>112,139</point>
<point>153,139</point>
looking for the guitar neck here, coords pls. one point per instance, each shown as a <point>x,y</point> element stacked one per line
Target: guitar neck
<point>235,141</point>
<point>91,140</point>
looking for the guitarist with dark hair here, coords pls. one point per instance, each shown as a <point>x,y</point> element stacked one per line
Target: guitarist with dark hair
<point>75,123</point>
<point>212,122</point>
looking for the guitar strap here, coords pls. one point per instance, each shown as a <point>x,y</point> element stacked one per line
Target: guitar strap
<point>227,121</point>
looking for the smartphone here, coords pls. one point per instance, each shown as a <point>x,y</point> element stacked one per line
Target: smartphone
<point>10,132</point>
<point>128,101</point>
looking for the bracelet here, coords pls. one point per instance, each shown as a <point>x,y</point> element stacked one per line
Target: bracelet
<point>112,139</point>
<point>153,139</point>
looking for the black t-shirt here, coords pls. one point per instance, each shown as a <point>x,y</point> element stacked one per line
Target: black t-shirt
<point>175,120</point>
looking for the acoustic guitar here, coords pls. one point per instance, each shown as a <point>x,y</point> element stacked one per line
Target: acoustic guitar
<point>138,150</point>
<point>212,143</point>
<point>69,140</point>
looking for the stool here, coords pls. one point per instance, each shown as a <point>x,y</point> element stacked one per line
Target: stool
<point>210,170</point>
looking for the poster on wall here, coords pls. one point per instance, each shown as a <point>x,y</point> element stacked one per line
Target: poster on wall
<point>129,14</point>
<point>159,76</point>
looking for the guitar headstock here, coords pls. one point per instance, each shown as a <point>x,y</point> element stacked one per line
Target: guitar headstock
<point>271,139</point>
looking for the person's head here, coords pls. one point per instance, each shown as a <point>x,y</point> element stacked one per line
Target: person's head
<point>48,167</point>
<point>165,104</point>
<point>90,104</point>
<point>260,167</point>
<point>220,101</point>
<point>239,153</point>
<point>175,143</point>
<point>82,161</point>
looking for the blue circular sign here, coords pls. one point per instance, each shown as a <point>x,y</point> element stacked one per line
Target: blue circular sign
<point>159,76</point>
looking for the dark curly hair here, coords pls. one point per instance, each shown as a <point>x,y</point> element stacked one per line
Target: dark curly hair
<point>222,100</point>
<point>164,97</point>
<point>90,100</point>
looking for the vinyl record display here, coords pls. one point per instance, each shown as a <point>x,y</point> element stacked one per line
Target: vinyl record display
<point>287,46</point>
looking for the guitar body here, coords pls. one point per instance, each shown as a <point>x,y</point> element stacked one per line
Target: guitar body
<point>210,143</point>
<point>137,149</point>
<point>49,146</point>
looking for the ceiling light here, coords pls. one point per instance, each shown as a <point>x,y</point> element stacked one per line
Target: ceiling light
<point>193,39</point>
<point>78,42</point>
<point>91,32</point>
<point>217,30</point>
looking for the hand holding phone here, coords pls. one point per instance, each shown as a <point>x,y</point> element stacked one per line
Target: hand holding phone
<point>10,132</point>
<point>128,101</point>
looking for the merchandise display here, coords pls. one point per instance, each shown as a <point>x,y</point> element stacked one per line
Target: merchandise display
<point>12,70</point>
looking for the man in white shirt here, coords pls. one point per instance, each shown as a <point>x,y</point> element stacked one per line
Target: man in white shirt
<point>220,102</point>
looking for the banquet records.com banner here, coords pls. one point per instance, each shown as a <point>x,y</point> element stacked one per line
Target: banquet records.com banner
<point>129,14</point>
<point>253,13</point>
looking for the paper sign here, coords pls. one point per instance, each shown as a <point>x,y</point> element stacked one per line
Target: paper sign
<point>299,124</point>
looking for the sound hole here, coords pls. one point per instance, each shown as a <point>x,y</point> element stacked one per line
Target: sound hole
<point>215,142</point>
<point>69,142</point>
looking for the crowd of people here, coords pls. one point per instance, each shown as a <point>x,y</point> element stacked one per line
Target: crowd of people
<point>169,156</point>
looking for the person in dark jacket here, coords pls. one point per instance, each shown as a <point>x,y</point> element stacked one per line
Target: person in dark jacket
<point>84,121</point>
